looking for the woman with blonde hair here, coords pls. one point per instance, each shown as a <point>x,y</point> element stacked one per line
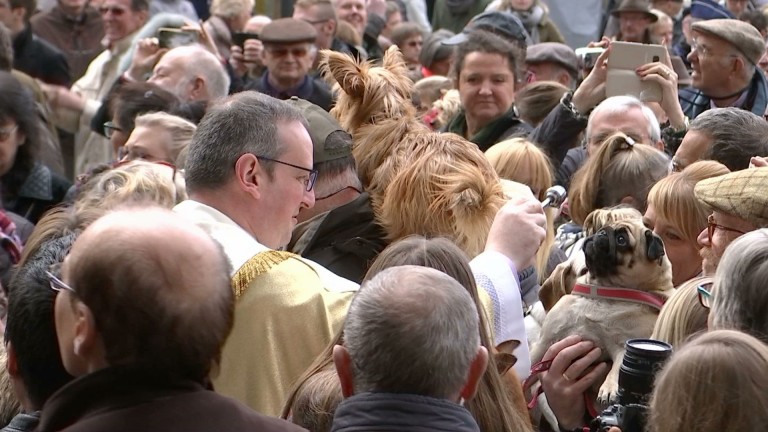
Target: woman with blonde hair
<point>620,172</point>
<point>682,316</point>
<point>132,181</point>
<point>158,137</point>
<point>499,404</point>
<point>676,216</point>
<point>522,161</point>
<point>715,383</point>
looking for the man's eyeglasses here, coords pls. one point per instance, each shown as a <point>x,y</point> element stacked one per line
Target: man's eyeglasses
<point>116,11</point>
<point>110,128</point>
<point>712,226</point>
<point>282,52</point>
<point>309,183</point>
<point>54,278</point>
<point>705,294</point>
<point>6,133</point>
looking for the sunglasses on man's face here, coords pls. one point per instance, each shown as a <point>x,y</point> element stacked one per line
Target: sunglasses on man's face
<point>282,52</point>
<point>116,11</point>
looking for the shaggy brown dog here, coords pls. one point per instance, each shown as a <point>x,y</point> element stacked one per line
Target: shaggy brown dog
<point>420,182</point>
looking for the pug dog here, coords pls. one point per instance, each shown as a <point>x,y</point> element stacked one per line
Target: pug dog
<point>622,254</point>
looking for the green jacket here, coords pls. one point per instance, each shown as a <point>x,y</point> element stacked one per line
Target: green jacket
<point>442,18</point>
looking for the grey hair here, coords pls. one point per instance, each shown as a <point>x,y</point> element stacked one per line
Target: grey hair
<point>181,130</point>
<point>621,105</point>
<point>231,8</point>
<point>740,300</point>
<point>208,66</point>
<point>412,330</point>
<point>736,135</point>
<point>334,175</point>
<point>246,122</point>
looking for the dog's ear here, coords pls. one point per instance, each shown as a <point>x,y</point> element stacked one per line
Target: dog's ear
<point>345,70</point>
<point>654,246</point>
<point>393,58</point>
<point>558,284</point>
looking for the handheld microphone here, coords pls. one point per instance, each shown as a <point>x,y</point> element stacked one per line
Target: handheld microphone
<point>554,197</point>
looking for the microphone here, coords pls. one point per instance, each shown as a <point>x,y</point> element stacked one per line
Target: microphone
<point>554,197</point>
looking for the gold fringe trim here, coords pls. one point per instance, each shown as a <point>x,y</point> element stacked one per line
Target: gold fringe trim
<point>257,265</point>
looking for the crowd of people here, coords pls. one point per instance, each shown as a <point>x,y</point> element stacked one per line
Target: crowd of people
<point>344,215</point>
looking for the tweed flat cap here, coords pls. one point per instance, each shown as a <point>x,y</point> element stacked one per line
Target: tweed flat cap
<point>288,30</point>
<point>321,126</point>
<point>742,193</point>
<point>743,36</point>
<point>553,52</point>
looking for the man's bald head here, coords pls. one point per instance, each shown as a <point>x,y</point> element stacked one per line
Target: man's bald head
<point>158,288</point>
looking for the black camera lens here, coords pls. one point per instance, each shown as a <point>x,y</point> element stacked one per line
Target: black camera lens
<point>643,358</point>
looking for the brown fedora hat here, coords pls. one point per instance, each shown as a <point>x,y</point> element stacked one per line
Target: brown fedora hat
<point>636,6</point>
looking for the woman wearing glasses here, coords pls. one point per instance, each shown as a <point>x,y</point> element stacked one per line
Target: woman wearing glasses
<point>29,188</point>
<point>676,216</point>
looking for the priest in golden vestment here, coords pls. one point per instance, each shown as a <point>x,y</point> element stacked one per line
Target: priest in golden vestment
<point>248,173</point>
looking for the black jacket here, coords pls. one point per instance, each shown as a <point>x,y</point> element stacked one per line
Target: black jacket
<point>41,190</point>
<point>384,412</point>
<point>344,240</point>
<point>313,89</point>
<point>39,59</point>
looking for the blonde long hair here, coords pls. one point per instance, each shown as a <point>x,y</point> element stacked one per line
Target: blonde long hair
<point>620,169</point>
<point>522,161</point>
<point>682,315</point>
<point>715,383</point>
<point>673,199</point>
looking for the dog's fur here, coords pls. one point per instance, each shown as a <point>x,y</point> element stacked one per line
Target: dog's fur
<point>420,182</point>
<point>564,276</point>
<point>622,254</point>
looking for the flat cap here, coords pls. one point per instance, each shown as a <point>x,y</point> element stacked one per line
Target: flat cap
<point>743,36</point>
<point>553,52</point>
<point>321,126</point>
<point>504,24</point>
<point>288,30</point>
<point>741,194</point>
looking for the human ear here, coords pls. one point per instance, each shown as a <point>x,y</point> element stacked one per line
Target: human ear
<point>86,333</point>
<point>476,371</point>
<point>343,364</point>
<point>248,172</point>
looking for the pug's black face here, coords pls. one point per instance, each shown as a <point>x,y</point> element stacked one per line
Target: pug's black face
<point>610,249</point>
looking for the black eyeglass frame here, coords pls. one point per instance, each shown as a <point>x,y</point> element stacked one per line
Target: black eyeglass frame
<point>312,172</point>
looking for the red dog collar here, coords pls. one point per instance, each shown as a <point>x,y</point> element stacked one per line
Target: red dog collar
<point>625,294</point>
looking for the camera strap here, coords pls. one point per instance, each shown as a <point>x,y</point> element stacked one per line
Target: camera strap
<point>623,294</point>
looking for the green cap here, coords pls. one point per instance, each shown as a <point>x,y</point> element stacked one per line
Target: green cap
<point>321,126</point>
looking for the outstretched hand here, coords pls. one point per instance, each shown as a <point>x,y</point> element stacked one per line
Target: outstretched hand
<point>592,90</point>
<point>663,73</point>
<point>518,231</point>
